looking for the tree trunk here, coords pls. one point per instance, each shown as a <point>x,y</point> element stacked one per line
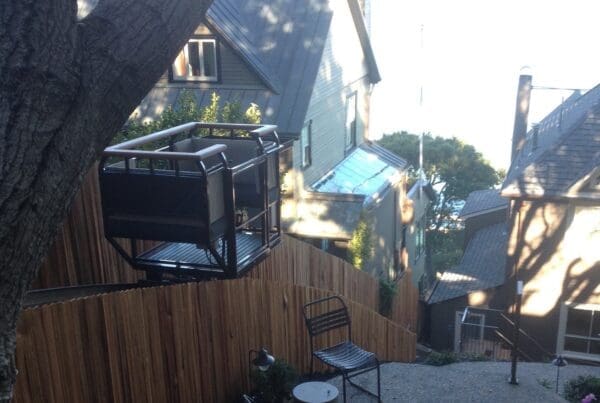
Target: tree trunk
<point>66,87</point>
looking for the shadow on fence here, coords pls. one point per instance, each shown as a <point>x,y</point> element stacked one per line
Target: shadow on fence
<point>185,342</point>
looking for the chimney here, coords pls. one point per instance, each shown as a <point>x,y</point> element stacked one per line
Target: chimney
<point>521,112</point>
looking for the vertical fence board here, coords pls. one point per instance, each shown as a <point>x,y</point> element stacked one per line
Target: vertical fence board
<point>186,342</point>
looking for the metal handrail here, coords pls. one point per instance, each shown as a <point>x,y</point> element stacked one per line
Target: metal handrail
<point>502,315</point>
<point>257,130</point>
<point>166,155</point>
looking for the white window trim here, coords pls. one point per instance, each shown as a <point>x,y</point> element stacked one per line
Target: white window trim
<point>350,142</point>
<point>562,327</point>
<point>202,77</point>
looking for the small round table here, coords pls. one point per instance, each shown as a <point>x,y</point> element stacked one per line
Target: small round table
<point>315,392</point>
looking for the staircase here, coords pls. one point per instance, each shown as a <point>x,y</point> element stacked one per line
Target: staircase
<point>491,333</point>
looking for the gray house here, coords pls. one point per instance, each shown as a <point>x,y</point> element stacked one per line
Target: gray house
<point>310,68</point>
<point>541,229</point>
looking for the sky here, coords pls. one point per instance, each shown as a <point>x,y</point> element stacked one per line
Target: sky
<point>470,61</point>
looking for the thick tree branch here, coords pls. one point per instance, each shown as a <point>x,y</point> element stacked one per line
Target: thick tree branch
<point>65,90</point>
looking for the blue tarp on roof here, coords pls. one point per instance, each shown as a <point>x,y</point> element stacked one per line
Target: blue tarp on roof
<point>369,170</point>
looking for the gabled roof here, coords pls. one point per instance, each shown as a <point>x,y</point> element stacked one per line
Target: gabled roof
<point>565,149</point>
<point>365,41</point>
<point>481,267</point>
<point>481,202</point>
<point>226,18</point>
<point>282,42</point>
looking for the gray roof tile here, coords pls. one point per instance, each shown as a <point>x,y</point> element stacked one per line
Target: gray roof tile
<point>567,149</point>
<point>481,267</point>
<point>482,201</point>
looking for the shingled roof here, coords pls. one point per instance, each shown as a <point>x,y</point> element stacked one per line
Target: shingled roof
<point>481,202</point>
<point>481,267</point>
<point>565,149</point>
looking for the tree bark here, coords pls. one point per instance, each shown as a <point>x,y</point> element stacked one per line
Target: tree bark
<point>66,87</point>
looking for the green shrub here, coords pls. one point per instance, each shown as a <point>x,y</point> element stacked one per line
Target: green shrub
<point>186,109</point>
<point>360,247</point>
<point>578,388</point>
<point>474,357</point>
<point>387,292</point>
<point>276,384</point>
<point>442,358</point>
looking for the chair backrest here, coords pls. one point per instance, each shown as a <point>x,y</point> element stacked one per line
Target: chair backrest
<point>333,318</point>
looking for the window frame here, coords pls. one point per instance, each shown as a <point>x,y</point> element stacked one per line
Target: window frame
<point>200,39</point>
<point>306,162</point>
<point>350,130</point>
<point>562,331</point>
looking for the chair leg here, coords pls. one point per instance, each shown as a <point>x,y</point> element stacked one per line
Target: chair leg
<point>344,385</point>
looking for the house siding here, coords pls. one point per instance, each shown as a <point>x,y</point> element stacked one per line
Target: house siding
<point>443,315</point>
<point>233,72</point>
<point>386,234</point>
<point>342,71</point>
<point>556,260</point>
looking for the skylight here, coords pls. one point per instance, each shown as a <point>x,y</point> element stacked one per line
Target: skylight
<point>362,173</point>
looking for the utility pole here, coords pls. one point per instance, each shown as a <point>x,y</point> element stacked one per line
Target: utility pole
<point>517,329</point>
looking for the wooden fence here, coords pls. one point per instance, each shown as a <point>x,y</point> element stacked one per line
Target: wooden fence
<point>81,255</point>
<point>300,263</point>
<point>185,343</point>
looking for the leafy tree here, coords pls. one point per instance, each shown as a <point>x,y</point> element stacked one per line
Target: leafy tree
<point>67,85</point>
<point>454,169</point>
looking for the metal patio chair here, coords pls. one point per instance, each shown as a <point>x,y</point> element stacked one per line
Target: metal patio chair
<point>345,356</point>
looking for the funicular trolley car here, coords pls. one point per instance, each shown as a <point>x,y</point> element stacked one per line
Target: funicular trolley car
<point>206,195</point>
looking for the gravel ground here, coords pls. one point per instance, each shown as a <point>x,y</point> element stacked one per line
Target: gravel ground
<point>465,382</point>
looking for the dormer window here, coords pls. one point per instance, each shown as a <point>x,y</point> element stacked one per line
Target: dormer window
<point>197,61</point>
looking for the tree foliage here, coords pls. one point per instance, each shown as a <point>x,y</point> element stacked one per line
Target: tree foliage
<point>454,169</point>
<point>360,247</point>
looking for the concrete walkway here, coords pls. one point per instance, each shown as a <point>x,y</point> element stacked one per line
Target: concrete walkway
<point>465,382</point>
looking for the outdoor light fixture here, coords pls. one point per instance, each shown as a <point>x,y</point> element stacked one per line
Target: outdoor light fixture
<point>558,362</point>
<point>263,359</point>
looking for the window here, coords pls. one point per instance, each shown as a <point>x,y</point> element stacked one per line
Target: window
<point>419,238</point>
<point>350,142</point>
<point>197,61</point>
<point>305,144</point>
<point>579,331</point>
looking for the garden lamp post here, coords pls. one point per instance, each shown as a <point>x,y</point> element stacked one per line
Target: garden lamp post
<point>263,360</point>
<point>559,361</point>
